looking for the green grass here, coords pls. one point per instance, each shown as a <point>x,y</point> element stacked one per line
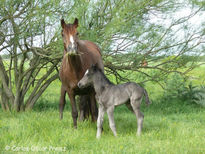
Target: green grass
<point>170,126</point>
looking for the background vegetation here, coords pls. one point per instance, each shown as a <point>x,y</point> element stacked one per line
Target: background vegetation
<point>171,125</point>
<point>154,38</point>
<point>157,43</point>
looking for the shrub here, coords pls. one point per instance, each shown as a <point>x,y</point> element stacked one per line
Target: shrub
<point>176,87</point>
<point>195,94</point>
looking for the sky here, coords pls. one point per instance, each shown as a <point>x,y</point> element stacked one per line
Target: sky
<point>195,22</point>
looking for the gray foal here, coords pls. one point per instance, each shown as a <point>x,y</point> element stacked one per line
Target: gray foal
<point>109,95</point>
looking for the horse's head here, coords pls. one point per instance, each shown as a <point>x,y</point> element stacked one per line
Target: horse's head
<point>69,34</point>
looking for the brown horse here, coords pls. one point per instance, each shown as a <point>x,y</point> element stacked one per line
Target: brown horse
<point>79,55</point>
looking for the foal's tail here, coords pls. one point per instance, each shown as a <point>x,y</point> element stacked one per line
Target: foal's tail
<point>146,98</point>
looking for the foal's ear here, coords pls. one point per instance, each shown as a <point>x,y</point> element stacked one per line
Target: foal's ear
<point>62,23</point>
<point>76,22</point>
<point>94,67</point>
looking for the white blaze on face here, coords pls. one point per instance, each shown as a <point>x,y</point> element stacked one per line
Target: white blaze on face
<point>86,72</point>
<point>72,41</point>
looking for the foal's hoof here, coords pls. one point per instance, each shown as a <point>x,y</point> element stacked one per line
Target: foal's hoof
<point>98,137</point>
<point>138,134</point>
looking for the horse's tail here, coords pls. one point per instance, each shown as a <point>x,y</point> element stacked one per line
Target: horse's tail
<point>147,101</point>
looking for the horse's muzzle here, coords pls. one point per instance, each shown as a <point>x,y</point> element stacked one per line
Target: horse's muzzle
<point>72,49</point>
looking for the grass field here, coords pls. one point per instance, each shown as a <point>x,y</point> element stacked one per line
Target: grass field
<point>169,127</point>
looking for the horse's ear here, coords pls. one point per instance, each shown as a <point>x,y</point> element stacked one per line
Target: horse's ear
<point>62,23</point>
<point>76,22</point>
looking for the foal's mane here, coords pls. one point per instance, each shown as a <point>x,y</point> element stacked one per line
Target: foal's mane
<point>104,76</point>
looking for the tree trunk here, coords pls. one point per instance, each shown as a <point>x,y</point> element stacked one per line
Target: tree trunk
<point>35,96</point>
<point>4,100</point>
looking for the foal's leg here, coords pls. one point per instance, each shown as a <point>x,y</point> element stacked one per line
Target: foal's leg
<point>62,102</point>
<point>129,106</point>
<point>135,103</point>
<point>101,112</point>
<point>74,108</point>
<point>110,112</point>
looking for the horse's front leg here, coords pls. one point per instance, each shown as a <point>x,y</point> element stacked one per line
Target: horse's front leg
<point>74,108</point>
<point>101,112</point>
<point>94,109</point>
<point>62,102</point>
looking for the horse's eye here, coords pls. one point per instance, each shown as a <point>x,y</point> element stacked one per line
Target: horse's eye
<point>77,33</point>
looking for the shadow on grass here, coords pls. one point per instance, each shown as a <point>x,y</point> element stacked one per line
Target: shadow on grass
<point>44,105</point>
<point>126,121</point>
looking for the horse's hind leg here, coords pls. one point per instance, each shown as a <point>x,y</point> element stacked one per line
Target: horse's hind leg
<point>62,102</point>
<point>94,109</point>
<point>135,103</point>
<point>110,112</point>
<point>74,108</point>
<point>81,107</point>
<point>84,107</point>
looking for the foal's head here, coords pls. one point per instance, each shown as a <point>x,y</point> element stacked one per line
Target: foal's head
<point>87,79</point>
<point>69,34</point>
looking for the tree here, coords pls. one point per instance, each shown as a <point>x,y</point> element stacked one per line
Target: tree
<point>129,33</point>
<point>152,30</point>
<point>28,40</point>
